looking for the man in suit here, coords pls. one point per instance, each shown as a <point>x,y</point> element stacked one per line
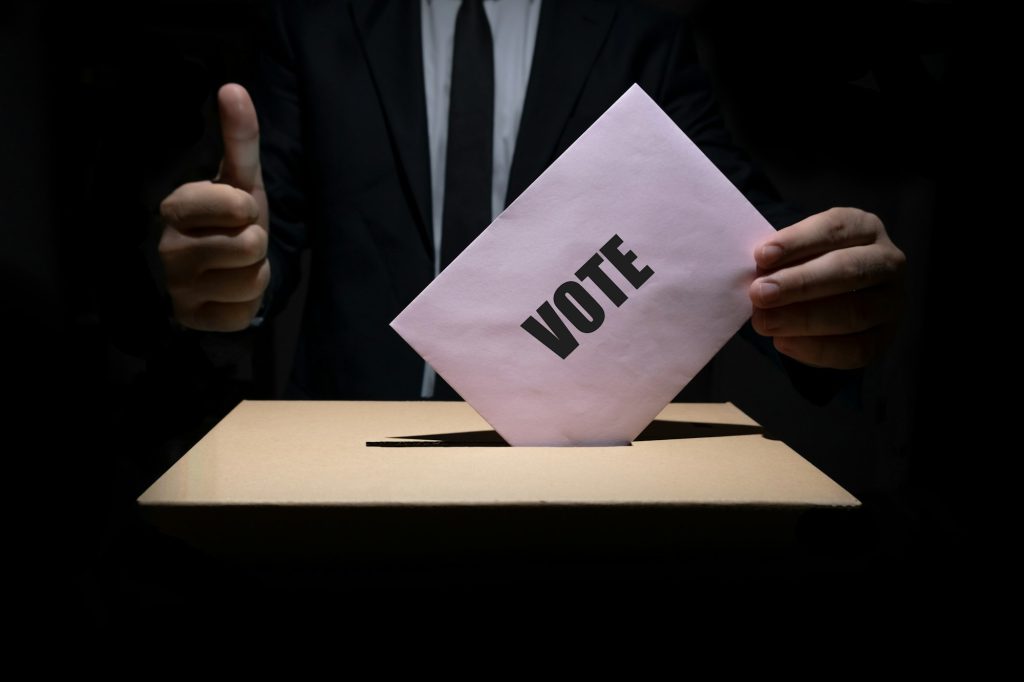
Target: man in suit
<point>390,132</point>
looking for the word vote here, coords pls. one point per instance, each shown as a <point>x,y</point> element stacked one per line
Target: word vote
<point>578,306</point>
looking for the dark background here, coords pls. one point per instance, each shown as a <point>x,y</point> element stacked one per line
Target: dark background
<point>107,108</point>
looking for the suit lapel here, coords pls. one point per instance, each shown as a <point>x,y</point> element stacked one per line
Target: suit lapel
<point>390,34</point>
<point>569,35</point>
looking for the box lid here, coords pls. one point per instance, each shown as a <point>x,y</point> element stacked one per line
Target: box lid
<point>297,453</point>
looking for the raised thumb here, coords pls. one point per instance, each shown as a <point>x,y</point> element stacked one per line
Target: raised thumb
<point>240,129</point>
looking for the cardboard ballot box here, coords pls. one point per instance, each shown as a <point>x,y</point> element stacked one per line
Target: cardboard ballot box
<point>424,477</point>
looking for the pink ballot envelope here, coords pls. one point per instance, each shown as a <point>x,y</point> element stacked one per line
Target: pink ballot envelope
<point>599,293</point>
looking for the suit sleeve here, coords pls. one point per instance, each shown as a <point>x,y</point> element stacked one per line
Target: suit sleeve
<point>685,94</point>
<point>277,97</point>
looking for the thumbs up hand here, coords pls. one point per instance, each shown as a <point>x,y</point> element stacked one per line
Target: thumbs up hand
<point>215,237</point>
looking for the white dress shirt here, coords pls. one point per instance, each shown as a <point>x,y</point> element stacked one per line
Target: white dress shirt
<point>513,32</point>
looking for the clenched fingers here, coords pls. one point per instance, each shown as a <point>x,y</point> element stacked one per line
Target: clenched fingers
<point>203,205</point>
<point>214,316</point>
<point>229,285</point>
<point>187,254</point>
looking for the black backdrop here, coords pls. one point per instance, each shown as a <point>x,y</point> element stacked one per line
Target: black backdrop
<point>107,108</point>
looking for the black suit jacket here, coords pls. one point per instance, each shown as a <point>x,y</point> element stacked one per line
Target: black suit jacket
<point>346,166</point>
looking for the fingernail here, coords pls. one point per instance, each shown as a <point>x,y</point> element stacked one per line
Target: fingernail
<point>769,320</point>
<point>770,253</point>
<point>770,291</point>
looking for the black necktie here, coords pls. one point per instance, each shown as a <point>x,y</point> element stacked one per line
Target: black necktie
<point>467,178</point>
<point>467,183</point>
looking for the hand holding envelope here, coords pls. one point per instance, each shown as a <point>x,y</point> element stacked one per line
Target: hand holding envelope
<point>599,293</point>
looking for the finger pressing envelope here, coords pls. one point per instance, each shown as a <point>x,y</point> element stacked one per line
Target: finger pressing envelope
<point>817,234</point>
<point>833,273</point>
